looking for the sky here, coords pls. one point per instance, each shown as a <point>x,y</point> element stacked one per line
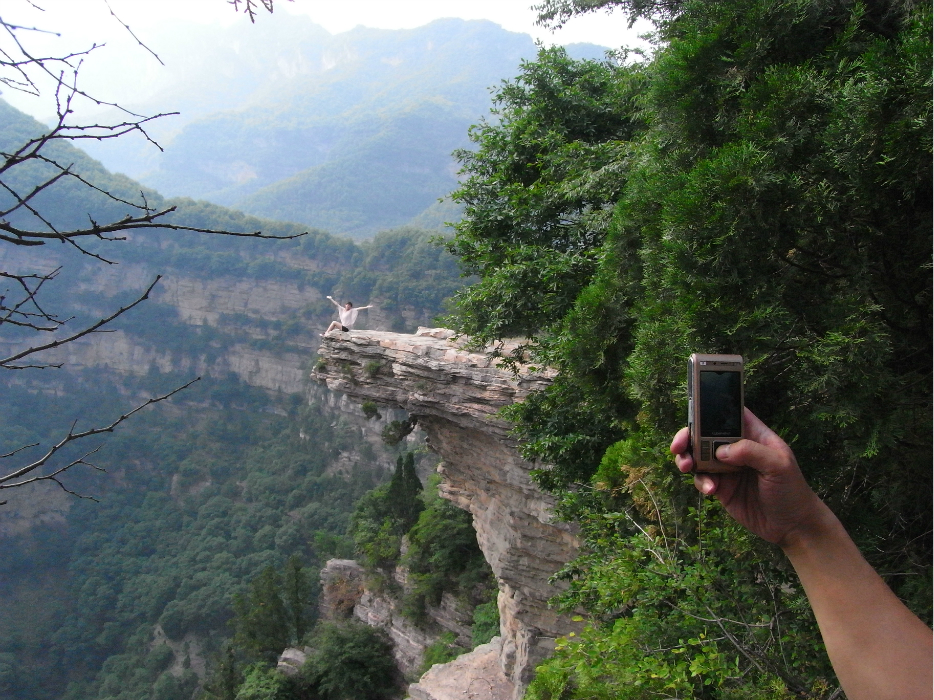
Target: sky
<point>91,17</point>
<point>81,23</point>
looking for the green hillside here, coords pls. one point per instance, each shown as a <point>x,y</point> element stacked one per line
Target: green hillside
<point>206,495</point>
<point>357,138</point>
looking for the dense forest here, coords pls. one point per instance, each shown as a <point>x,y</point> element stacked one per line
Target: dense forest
<point>761,185</point>
<point>219,507</point>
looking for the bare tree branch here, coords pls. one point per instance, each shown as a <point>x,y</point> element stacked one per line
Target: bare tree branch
<point>37,167</point>
<point>19,236</point>
<point>22,476</point>
<point>127,27</point>
<point>16,316</point>
<point>250,7</point>
<point>7,362</point>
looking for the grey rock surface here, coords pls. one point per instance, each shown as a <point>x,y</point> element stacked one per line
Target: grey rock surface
<point>455,394</point>
<point>473,676</point>
<point>341,589</point>
<point>291,660</point>
<point>344,593</point>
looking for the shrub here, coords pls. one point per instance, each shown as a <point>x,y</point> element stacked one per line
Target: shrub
<point>485,623</point>
<point>370,410</point>
<point>351,660</point>
<point>442,651</point>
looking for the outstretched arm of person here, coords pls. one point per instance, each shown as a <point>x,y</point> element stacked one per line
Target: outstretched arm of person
<point>334,302</point>
<point>879,649</point>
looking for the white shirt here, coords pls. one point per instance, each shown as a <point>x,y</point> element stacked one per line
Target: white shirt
<point>348,316</point>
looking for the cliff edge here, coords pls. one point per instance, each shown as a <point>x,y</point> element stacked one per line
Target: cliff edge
<point>455,394</point>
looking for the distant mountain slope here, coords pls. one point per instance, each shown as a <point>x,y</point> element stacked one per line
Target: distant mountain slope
<point>351,132</point>
<point>385,173</point>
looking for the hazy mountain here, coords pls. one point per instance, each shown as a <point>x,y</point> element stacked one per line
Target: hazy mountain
<point>350,132</point>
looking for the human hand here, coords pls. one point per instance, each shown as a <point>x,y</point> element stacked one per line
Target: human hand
<point>769,496</point>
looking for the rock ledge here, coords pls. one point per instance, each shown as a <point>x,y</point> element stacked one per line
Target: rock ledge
<point>456,394</point>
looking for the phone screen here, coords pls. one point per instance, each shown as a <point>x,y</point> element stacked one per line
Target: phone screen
<point>721,399</point>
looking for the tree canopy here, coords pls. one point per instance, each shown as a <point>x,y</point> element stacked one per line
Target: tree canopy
<point>762,187</point>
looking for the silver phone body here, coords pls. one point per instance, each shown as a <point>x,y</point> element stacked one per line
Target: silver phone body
<point>715,407</point>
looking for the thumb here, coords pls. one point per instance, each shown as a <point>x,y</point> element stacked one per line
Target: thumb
<point>764,459</point>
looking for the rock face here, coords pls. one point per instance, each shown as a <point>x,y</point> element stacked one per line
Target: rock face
<point>344,593</point>
<point>341,588</point>
<point>477,676</point>
<point>455,394</point>
<point>292,659</point>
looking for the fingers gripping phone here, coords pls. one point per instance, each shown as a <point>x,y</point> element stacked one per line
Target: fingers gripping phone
<point>715,407</point>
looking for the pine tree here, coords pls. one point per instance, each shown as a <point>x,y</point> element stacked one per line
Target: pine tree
<point>402,495</point>
<point>225,678</point>
<point>297,593</point>
<point>261,618</point>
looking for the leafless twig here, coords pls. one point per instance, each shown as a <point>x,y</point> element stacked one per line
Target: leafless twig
<point>127,27</point>
<point>40,165</point>
<point>250,7</point>
<point>10,362</point>
<point>21,476</point>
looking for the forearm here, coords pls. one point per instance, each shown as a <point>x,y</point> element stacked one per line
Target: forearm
<point>878,648</point>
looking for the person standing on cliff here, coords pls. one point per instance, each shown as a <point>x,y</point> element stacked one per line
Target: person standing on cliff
<point>348,316</point>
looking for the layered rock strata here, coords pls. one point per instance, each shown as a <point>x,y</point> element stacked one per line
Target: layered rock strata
<point>344,593</point>
<point>455,394</point>
<point>475,676</point>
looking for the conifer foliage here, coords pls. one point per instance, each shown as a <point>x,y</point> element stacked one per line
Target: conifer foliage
<point>275,611</point>
<point>385,514</point>
<point>771,197</point>
<point>402,495</point>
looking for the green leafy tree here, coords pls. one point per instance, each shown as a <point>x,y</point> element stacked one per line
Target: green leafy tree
<point>384,515</point>
<point>262,620</point>
<point>403,491</point>
<point>538,191</point>
<point>775,202</point>
<point>485,622</point>
<point>263,683</point>
<point>226,677</point>
<point>351,660</point>
<point>296,593</point>
<point>443,556</point>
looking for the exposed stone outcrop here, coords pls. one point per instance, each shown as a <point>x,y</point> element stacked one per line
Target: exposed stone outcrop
<point>187,652</point>
<point>341,589</point>
<point>292,659</point>
<point>476,676</point>
<point>344,593</point>
<point>409,641</point>
<point>455,394</point>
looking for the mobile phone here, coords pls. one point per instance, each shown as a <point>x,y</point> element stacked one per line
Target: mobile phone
<point>715,407</point>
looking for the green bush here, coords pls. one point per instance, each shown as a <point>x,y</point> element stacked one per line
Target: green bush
<point>485,623</point>
<point>384,515</point>
<point>760,185</point>
<point>440,652</point>
<point>351,660</point>
<point>263,682</point>
<point>443,555</point>
<point>275,612</point>
<point>370,410</point>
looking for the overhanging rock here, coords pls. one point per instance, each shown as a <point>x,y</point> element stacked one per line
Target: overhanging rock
<point>455,394</point>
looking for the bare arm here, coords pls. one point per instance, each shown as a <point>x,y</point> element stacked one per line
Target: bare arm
<point>335,303</point>
<point>879,649</point>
